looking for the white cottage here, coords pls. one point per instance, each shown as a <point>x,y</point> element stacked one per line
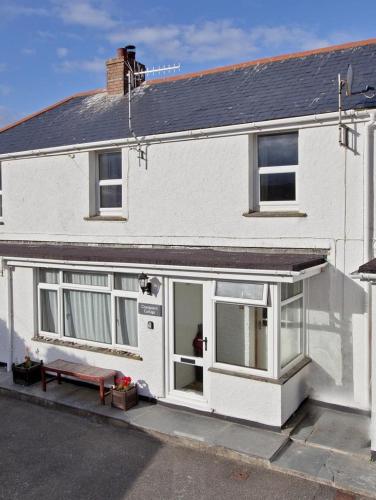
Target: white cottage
<point>232,196</point>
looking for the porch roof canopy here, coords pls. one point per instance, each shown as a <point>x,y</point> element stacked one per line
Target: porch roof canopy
<point>366,272</point>
<point>181,257</point>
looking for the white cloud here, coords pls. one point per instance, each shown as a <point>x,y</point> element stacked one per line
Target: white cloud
<point>84,13</point>
<point>95,65</point>
<point>220,40</point>
<point>62,52</point>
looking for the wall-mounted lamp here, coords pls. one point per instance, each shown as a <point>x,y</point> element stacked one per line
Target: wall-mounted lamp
<point>144,283</point>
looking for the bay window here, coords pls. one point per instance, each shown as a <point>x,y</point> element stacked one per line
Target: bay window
<point>92,307</point>
<point>258,327</point>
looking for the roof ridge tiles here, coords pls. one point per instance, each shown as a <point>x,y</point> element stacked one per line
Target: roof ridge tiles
<point>265,60</point>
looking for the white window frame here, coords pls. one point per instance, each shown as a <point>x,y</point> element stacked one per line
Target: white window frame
<point>302,354</point>
<point>109,290</point>
<point>276,169</point>
<point>271,333</point>
<point>274,339</point>
<point>108,182</point>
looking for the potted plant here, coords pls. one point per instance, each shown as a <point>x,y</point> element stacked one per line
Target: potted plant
<point>28,372</point>
<point>124,393</point>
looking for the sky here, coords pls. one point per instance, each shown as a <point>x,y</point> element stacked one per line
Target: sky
<point>50,49</point>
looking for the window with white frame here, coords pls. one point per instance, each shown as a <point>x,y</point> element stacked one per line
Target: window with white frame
<point>252,320</point>
<point>109,183</point>
<point>89,307</point>
<point>277,162</point>
<point>291,322</point>
<point>241,319</point>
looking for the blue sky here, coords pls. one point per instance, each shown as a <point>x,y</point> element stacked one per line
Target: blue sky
<point>50,49</point>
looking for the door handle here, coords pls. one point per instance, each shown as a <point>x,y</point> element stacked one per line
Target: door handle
<point>205,341</point>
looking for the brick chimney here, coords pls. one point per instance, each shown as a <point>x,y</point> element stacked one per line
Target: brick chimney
<point>117,70</point>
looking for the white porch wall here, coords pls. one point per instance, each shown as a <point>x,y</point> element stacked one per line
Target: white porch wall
<point>194,193</point>
<point>149,373</point>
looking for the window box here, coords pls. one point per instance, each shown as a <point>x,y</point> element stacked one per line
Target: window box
<point>124,400</point>
<point>27,376</point>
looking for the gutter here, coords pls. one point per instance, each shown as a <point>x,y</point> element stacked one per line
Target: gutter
<point>241,129</point>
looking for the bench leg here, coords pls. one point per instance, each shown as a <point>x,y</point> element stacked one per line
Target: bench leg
<point>43,374</point>
<point>101,392</point>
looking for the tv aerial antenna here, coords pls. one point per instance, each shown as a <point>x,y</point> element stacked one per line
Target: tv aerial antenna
<point>347,86</point>
<point>136,75</point>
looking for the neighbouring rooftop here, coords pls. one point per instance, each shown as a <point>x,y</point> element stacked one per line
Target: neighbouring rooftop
<point>281,87</point>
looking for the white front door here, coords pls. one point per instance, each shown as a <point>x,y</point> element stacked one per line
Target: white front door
<point>189,340</point>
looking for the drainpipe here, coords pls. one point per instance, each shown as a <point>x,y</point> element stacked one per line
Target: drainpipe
<point>10,318</point>
<point>368,253</point>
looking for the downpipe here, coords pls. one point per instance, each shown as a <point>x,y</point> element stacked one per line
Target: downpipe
<point>368,254</point>
<point>10,318</point>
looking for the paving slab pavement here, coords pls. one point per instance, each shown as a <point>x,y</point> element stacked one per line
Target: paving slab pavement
<point>306,450</point>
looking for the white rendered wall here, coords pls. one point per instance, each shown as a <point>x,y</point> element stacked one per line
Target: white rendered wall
<point>149,373</point>
<point>194,193</point>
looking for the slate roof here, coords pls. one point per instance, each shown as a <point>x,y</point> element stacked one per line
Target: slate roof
<point>284,87</point>
<point>195,257</point>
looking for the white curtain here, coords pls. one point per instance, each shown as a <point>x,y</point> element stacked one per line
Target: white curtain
<point>126,321</point>
<point>92,279</point>
<point>128,282</point>
<point>49,276</point>
<point>48,307</point>
<point>87,316</point>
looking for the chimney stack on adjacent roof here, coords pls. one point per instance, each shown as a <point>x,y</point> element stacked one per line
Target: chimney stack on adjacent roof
<point>118,69</point>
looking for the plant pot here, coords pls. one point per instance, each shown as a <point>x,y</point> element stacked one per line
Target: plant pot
<point>124,400</point>
<point>27,376</point>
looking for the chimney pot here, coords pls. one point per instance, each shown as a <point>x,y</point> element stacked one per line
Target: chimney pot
<point>117,70</point>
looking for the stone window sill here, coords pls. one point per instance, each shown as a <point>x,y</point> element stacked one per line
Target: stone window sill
<point>91,348</point>
<point>113,218</point>
<point>282,380</point>
<point>287,213</point>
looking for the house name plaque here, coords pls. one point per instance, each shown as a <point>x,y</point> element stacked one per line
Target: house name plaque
<point>150,309</point>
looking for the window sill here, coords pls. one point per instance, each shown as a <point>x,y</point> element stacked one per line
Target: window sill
<point>91,348</point>
<point>282,380</point>
<point>113,218</point>
<point>290,213</point>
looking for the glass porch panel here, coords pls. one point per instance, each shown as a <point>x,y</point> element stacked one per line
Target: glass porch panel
<point>48,311</point>
<point>188,319</point>
<point>87,316</point>
<point>188,378</point>
<point>240,290</point>
<point>241,335</point>
<point>291,331</point>
<point>126,321</point>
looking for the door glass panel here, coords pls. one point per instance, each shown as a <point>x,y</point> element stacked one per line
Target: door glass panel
<point>188,378</point>
<point>188,319</point>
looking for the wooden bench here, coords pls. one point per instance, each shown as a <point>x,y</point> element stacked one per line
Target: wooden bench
<point>79,371</point>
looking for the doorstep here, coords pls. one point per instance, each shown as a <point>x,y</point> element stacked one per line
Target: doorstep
<point>306,448</point>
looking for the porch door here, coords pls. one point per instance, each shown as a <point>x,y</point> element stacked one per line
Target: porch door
<point>189,340</point>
